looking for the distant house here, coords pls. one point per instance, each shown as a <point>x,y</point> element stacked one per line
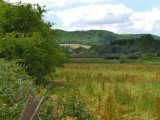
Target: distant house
<point>71,50</point>
<point>79,50</point>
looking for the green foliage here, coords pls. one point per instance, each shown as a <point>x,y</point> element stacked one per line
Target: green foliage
<point>145,43</point>
<point>85,55</point>
<point>80,50</point>
<point>86,37</point>
<point>158,54</point>
<point>133,49</point>
<point>15,87</point>
<point>123,95</point>
<point>105,42</point>
<point>123,60</point>
<point>148,57</point>
<point>76,108</point>
<point>23,18</point>
<point>71,106</point>
<point>104,49</point>
<point>92,37</point>
<point>31,52</point>
<point>28,39</point>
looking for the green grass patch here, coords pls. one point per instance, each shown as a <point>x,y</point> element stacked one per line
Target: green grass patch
<point>74,46</point>
<point>114,91</point>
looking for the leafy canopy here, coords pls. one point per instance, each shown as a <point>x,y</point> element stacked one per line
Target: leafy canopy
<point>145,42</point>
<point>25,36</point>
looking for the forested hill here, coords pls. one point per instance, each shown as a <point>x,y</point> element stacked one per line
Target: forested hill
<point>92,37</point>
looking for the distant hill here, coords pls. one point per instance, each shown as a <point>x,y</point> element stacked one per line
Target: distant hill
<point>92,37</point>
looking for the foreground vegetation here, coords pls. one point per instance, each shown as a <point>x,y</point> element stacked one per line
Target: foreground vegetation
<point>15,87</point>
<point>27,38</point>
<point>112,91</point>
<point>128,91</point>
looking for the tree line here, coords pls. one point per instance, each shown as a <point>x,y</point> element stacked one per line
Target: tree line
<point>146,44</point>
<point>28,39</point>
<point>92,37</point>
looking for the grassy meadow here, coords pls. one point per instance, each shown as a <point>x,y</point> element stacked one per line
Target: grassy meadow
<point>74,46</point>
<point>108,91</point>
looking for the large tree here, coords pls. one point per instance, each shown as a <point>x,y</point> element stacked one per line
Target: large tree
<point>27,38</point>
<point>145,43</point>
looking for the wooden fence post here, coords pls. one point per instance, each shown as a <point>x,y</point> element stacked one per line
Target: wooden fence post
<point>32,108</point>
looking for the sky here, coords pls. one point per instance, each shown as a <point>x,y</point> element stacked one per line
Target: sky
<point>118,16</point>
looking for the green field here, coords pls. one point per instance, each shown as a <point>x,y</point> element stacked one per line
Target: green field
<point>74,46</point>
<point>110,91</point>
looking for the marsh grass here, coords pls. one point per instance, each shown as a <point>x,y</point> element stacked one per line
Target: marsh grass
<point>115,91</point>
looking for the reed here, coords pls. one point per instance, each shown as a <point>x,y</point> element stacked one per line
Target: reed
<point>115,91</point>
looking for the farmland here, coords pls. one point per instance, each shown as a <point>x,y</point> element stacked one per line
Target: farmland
<point>74,46</point>
<point>111,91</point>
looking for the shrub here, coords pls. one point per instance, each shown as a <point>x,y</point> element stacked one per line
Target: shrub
<point>15,87</point>
<point>28,38</point>
<point>72,106</point>
<point>123,59</point>
<point>33,52</point>
<point>148,56</point>
<point>158,54</point>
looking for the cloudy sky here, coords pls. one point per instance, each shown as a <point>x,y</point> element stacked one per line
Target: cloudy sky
<point>119,16</point>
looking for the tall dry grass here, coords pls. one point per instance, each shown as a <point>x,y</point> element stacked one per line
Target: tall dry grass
<point>116,91</point>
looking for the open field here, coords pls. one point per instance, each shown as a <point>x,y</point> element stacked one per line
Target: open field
<point>112,91</point>
<point>74,46</point>
<point>80,59</point>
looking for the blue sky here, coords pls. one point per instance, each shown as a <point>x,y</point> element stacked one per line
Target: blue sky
<point>119,16</point>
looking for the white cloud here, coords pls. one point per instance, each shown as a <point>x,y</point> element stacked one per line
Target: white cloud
<point>117,28</point>
<point>95,15</point>
<point>94,0</point>
<point>116,18</point>
<point>146,20</point>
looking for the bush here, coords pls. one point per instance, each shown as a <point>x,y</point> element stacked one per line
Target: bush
<point>148,56</point>
<point>29,39</point>
<point>60,107</point>
<point>123,60</point>
<point>33,52</point>
<point>15,87</point>
<point>158,54</point>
